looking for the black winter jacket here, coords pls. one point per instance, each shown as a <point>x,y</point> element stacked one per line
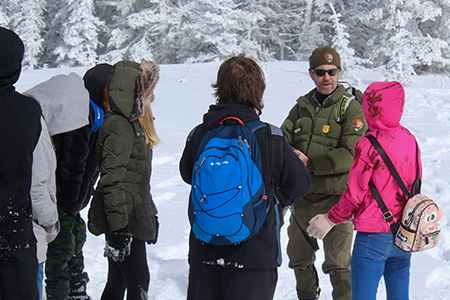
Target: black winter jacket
<point>20,127</point>
<point>262,250</point>
<point>73,191</point>
<point>76,152</point>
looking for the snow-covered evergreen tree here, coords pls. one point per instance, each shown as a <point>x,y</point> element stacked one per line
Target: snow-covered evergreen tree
<point>316,30</point>
<point>79,33</point>
<point>208,31</point>
<point>402,47</point>
<point>27,21</point>
<point>4,20</point>
<point>269,28</point>
<point>132,29</point>
<point>403,36</point>
<point>341,43</point>
<point>164,39</point>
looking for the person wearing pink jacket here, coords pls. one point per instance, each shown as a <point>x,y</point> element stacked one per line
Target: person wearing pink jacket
<point>374,252</point>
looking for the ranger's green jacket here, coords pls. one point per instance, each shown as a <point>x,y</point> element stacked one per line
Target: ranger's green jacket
<point>314,130</point>
<point>122,197</point>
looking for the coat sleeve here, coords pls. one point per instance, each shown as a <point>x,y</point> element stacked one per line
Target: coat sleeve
<point>295,179</point>
<point>354,196</point>
<point>289,123</point>
<point>43,187</point>
<point>72,149</point>
<point>187,159</point>
<point>115,155</point>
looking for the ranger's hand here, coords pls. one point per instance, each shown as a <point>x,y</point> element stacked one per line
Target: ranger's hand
<point>301,156</point>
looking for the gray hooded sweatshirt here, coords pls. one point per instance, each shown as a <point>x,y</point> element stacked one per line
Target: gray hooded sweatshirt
<point>62,111</point>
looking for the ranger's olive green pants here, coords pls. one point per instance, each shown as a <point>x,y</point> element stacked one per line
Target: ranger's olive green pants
<point>336,246</point>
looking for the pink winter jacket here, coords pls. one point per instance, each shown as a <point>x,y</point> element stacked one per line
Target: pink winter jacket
<point>383,104</point>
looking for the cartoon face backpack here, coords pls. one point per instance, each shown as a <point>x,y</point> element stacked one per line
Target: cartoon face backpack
<point>418,230</point>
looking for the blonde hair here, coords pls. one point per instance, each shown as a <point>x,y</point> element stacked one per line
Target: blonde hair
<point>148,127</point>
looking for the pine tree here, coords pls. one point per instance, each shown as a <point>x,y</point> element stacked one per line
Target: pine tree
<point>403,36</point>
<point>164,41</point>
<point>209,31</point>
<point>403,47</point>
<point>316,29</point>
<point>340,42</point>
<point>27,21</point>
<point>79,33</point>
<point>4,20</point>
<point>131,31</point>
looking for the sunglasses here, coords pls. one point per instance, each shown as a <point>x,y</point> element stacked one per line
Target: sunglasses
<point>321,73</point>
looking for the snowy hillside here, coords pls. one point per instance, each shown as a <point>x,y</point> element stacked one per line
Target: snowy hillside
<point>183,96</point>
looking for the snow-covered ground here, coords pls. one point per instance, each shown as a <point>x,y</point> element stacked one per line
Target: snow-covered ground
<point>183,96</point>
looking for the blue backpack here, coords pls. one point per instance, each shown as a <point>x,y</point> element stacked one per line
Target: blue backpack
<point>228,204</point>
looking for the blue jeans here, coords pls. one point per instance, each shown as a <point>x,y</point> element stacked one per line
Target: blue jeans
<point>375,255</point>
<point>40,279</point>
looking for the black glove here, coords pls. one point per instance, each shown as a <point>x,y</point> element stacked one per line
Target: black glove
<point>118,244</point>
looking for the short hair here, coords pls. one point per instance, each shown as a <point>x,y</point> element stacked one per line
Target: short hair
<point>240,80</point>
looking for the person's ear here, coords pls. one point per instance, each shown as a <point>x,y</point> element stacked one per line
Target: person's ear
<point>311,74</point>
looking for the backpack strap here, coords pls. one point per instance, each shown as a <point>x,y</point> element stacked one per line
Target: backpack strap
<point>342,105</point>
<point>276,143</point>
<point>276,154</point>
<point>351,93</point>
<point>389,164</point>
<point>386,213</point>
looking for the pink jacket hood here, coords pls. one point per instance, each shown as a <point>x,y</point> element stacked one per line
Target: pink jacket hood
<point>383,104</point>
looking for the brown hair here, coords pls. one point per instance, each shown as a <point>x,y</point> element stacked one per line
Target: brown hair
<point>240,80</point>
<point>105,100</point>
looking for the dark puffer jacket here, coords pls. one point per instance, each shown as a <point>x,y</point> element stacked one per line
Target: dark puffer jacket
<point>122,197</point>
<point>20,127</point>
<point>263,249</point>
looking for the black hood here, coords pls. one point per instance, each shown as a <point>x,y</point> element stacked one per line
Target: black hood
<point>11,55</point>
<point>95,81</point>
<point>217,113</point>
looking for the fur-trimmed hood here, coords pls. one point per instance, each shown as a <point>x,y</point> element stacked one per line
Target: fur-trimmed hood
<point>130,83</point>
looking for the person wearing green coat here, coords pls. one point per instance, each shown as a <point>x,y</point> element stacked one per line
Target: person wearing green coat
<point>122,207</point>
<point>323,137</point>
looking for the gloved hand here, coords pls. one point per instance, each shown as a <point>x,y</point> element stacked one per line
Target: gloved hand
<point>118,244</point>
<point>319,226</point>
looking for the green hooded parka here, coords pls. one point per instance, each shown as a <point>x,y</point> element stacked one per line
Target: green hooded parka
<point>122,197</point>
